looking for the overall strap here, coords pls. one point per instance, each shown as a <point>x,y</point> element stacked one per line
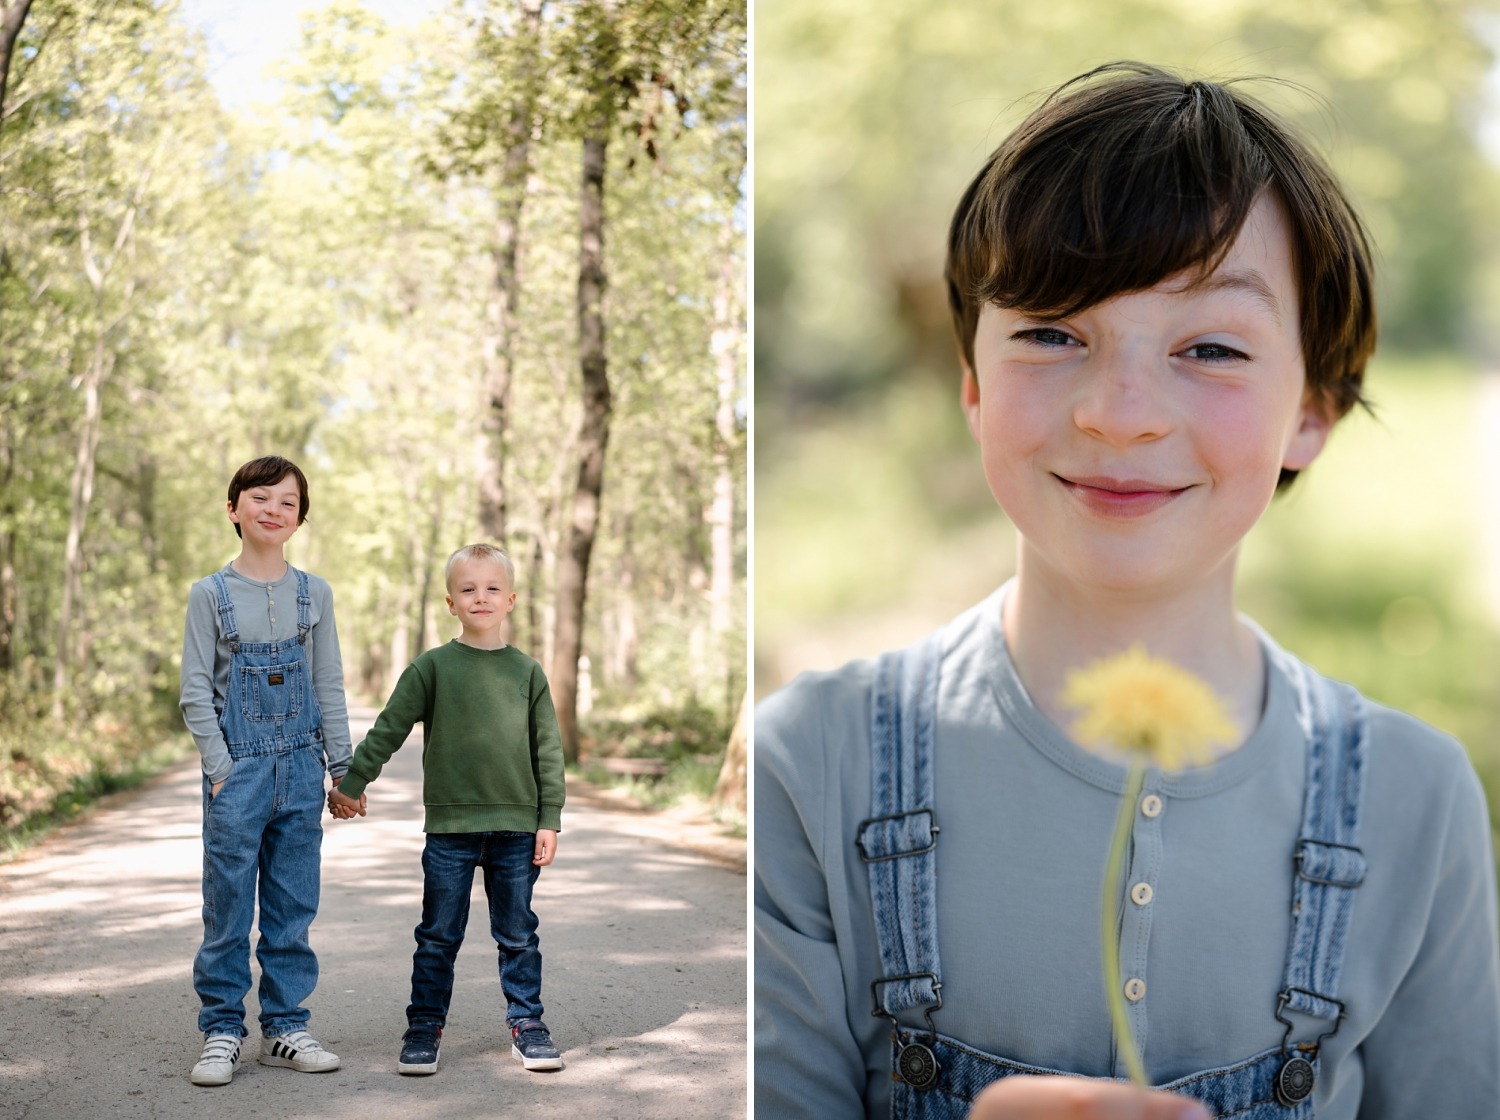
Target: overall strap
<point>304,606</point>
<point>1328,861</point>
<point>898,840</point>
<point>226,613</point>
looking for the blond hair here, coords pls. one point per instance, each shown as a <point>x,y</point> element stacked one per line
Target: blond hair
<point>481,551</point>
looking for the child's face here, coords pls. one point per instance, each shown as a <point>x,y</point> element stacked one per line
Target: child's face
<point>1135,443</point>
<point>479,595</point>
<point>268,515</point>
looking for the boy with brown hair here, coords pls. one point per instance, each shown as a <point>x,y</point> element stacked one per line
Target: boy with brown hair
<point>263,695</point>
<point>1163,305</point>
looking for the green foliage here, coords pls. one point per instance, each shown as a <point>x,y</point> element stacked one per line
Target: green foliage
<point>693,730</point>
<point>50,772</point>
<point>689,781</point>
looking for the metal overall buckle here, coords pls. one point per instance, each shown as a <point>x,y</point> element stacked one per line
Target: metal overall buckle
<point>915,1061</point>
<point>864,825</point>
<point>1294,1081</point>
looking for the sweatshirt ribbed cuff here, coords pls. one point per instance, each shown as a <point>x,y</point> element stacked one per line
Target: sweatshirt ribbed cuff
<point>352,785</point>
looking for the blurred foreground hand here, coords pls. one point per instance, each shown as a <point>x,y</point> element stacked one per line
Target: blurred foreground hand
<point>1077,1098</point>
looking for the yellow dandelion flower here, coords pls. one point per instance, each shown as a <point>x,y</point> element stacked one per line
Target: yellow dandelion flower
<point>1148,706</point>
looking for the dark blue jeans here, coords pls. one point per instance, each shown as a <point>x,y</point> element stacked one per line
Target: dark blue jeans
<point>448,863</point>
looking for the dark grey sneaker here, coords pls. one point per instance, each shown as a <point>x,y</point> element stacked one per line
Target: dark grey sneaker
<point>419,1050</point>
<point>531,1043</point>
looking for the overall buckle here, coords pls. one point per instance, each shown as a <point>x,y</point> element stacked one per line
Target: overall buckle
<point>870,822</point>
<point>916,1062</point>
<point>1295,1080</point>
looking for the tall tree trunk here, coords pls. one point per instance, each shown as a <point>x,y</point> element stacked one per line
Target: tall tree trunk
<point>427,559</point>
<point>401,651</point>
<point>97,269</point>
<point>535,631</point>
<point>12,16</point>
<point>730,790</point>
<point>627,634</point>
<point>726,369</point>
<point>593,437</point>
<point>80,497</point>
<point>497,344</point>
<point>9,584</point>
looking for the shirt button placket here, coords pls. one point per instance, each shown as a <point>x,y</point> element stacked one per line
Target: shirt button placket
<point>1135,923</point>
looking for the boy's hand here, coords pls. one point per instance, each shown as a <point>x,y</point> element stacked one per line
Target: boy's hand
<point>1075,1098</point>
<point>546,846</point>
<point>213,790</point>
<point>343,808</point>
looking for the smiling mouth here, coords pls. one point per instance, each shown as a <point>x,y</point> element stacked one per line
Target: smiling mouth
<point>1121,497</point>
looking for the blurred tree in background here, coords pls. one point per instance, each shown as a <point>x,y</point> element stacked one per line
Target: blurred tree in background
<point>183,288</point>
<point>873,522</point>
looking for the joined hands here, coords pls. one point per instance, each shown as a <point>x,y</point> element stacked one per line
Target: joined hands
<point>344,808</point>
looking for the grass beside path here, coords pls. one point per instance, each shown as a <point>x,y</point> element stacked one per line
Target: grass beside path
<point>41,789</point>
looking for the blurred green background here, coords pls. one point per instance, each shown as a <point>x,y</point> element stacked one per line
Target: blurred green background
<point>872,519</point>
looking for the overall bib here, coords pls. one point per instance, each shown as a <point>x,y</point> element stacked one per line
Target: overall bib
<point>936,1077</point>
<point>264,827</point>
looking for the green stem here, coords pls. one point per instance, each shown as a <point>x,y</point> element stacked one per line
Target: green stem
<point>1109,914</point>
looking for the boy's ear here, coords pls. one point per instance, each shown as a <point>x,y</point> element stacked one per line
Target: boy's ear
<point>233,517</point>
<point>1314,424</point>
<point>968,395</point>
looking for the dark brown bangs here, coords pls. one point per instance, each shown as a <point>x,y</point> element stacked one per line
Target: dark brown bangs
<point>1105,189</point>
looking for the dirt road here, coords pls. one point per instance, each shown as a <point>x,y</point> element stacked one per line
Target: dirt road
<point>643,942</point>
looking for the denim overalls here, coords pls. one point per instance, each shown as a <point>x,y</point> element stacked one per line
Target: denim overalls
<point>265,823</point>
<point>935,1076</point>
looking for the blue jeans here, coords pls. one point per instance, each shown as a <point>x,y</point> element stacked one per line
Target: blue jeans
<point>265,826</point>
<point>448,863</point>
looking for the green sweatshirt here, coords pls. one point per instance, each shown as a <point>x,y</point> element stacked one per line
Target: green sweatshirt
<point>491,756</point>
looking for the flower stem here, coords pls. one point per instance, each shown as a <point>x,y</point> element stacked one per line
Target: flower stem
<point>1109,915</point>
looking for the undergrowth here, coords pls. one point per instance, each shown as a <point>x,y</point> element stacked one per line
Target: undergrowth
<point>51,770</point>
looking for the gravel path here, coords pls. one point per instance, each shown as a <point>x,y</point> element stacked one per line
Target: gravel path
<point>643,939</point>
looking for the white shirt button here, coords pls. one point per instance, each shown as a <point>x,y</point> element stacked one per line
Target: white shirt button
<point>1141,894</point>
<point>1135,989</point>
<point>1151,805</point>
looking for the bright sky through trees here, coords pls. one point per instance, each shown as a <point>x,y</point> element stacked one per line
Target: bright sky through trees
<point>243,39</point>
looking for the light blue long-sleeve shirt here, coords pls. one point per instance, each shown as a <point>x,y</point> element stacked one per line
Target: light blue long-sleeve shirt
<point>1025,816</point>
<point>264,612</point>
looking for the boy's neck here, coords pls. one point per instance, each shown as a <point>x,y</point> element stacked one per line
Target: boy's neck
<point>481,641</point>
<point>260,565</point>
<point>1052,629</point>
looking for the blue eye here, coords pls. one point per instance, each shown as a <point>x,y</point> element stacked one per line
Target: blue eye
<point>1046,336</point>
<point>1214,352</point>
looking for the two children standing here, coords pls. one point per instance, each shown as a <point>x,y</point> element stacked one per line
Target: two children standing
<point>262,693</point>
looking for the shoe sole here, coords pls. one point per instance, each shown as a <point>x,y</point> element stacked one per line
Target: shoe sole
<point>211,1078</point>
<point>288,1063</point>
<point>535,1063</point>
<point>416,1068</point>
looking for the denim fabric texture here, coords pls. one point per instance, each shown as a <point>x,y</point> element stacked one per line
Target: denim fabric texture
<point>263,836</point>
<point>900,838</point>
<point>896,845</point>
<point>449,860</point>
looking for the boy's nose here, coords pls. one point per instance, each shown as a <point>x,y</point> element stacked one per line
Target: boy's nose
<point>1123,400</point>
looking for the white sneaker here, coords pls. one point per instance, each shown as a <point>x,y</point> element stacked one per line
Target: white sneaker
<point>297,1050</point>
<point>221,1053</point>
